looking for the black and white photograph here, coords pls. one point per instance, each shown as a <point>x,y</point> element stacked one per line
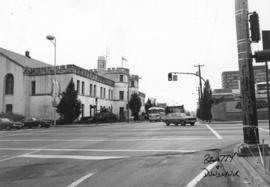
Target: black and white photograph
<point>134,93</point>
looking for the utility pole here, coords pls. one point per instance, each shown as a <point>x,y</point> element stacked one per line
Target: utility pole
<point>267,87</point>
<point>200,80</point>
<point>248,100</point>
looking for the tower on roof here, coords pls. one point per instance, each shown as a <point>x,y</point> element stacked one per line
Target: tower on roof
<point>101,64</point>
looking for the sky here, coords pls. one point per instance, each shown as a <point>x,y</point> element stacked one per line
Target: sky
<point>155,36</point>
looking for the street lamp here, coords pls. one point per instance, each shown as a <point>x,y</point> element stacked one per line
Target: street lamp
<point>53,40</point>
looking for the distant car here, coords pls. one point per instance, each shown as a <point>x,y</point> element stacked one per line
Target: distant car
<point>36,122</point>
<point>179,118</point>
<point>7,124</point>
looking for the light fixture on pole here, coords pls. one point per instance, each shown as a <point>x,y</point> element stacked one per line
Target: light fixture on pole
<point>53,40</point>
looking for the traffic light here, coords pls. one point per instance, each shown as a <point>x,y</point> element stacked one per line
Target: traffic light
<point>174,78</point>
<point>254,27</point>
<point>169,76</point>
<point>266,39</point>
<point>262,56</point>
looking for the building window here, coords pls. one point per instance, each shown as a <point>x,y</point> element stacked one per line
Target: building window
<point>33,85</point>
<point>121,95</point>
<point>132,84</point>
<point>78,86</point>
<point>9,108</point>
<point>82,110</point>
<point>91,87</point>
<point>101,89</point>
<point>9,84</point>
<point>104,93</point>
<point>95,90</point>
<point>112,94</point>
<point>82,87</point>
<point>121,78</point>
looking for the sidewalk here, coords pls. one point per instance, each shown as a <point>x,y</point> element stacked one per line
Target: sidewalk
<point>257,173</point>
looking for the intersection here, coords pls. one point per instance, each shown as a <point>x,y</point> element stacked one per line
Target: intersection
<point>120,154</point>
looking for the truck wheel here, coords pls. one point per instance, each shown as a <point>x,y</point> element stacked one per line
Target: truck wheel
<point>176,124</point>
<point>192,124</point>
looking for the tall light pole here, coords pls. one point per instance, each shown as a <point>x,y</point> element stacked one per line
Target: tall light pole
<point>53,40</point>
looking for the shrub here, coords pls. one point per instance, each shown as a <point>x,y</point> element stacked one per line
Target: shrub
<point>12,116</point>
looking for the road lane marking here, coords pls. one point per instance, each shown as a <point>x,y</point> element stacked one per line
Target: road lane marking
<point>199,177</point>
<point>214,132</point>
<point>71,157</point>
<point>77,182</point>
<point>110,140</point>
<point>100,150</point>
<point>13,157</point>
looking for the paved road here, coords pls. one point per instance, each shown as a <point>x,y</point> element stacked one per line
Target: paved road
<point>119,155</point>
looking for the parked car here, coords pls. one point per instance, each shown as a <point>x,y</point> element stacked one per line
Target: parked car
<point>36,122</point>
<point>7,124</point>
<point>17,124</point>
<point>105,117</point>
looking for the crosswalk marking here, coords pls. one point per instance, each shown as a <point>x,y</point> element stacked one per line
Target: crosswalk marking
<point>71,157</point>
<point>110,140</point>
<point>100,150</point>
<point>77,182</point>
<point>214,132</point>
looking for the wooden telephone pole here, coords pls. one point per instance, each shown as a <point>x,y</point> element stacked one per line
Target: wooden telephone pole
<point>200,80</point>
<point>248,99</point>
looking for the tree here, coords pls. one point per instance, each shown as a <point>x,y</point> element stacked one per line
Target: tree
<point>206,102</point>
<point>135,105</point>
<point>69,107</point>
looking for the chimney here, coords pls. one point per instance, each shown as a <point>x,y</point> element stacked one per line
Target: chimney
<point>27,54</point>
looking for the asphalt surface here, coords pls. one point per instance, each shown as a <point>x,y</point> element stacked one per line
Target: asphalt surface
<point>122,155</point>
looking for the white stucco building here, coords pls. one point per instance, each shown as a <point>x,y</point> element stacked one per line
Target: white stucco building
<point>26,86</point>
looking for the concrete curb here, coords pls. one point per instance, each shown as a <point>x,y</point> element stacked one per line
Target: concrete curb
<point>98,124</point>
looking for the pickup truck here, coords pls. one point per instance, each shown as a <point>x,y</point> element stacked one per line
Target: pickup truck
<point>179,118</point>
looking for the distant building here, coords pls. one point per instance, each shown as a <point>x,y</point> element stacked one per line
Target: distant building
<point>27,86</point>
<point>227,103</point>
<point>231,79</point>
<point>162,105</point>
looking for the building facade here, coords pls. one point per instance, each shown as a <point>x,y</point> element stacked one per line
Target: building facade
<point>230,79</point>
<point>28,85</point>
<point>227,103</point>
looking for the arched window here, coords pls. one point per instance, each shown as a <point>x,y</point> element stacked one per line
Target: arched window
<point>9,84</point>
